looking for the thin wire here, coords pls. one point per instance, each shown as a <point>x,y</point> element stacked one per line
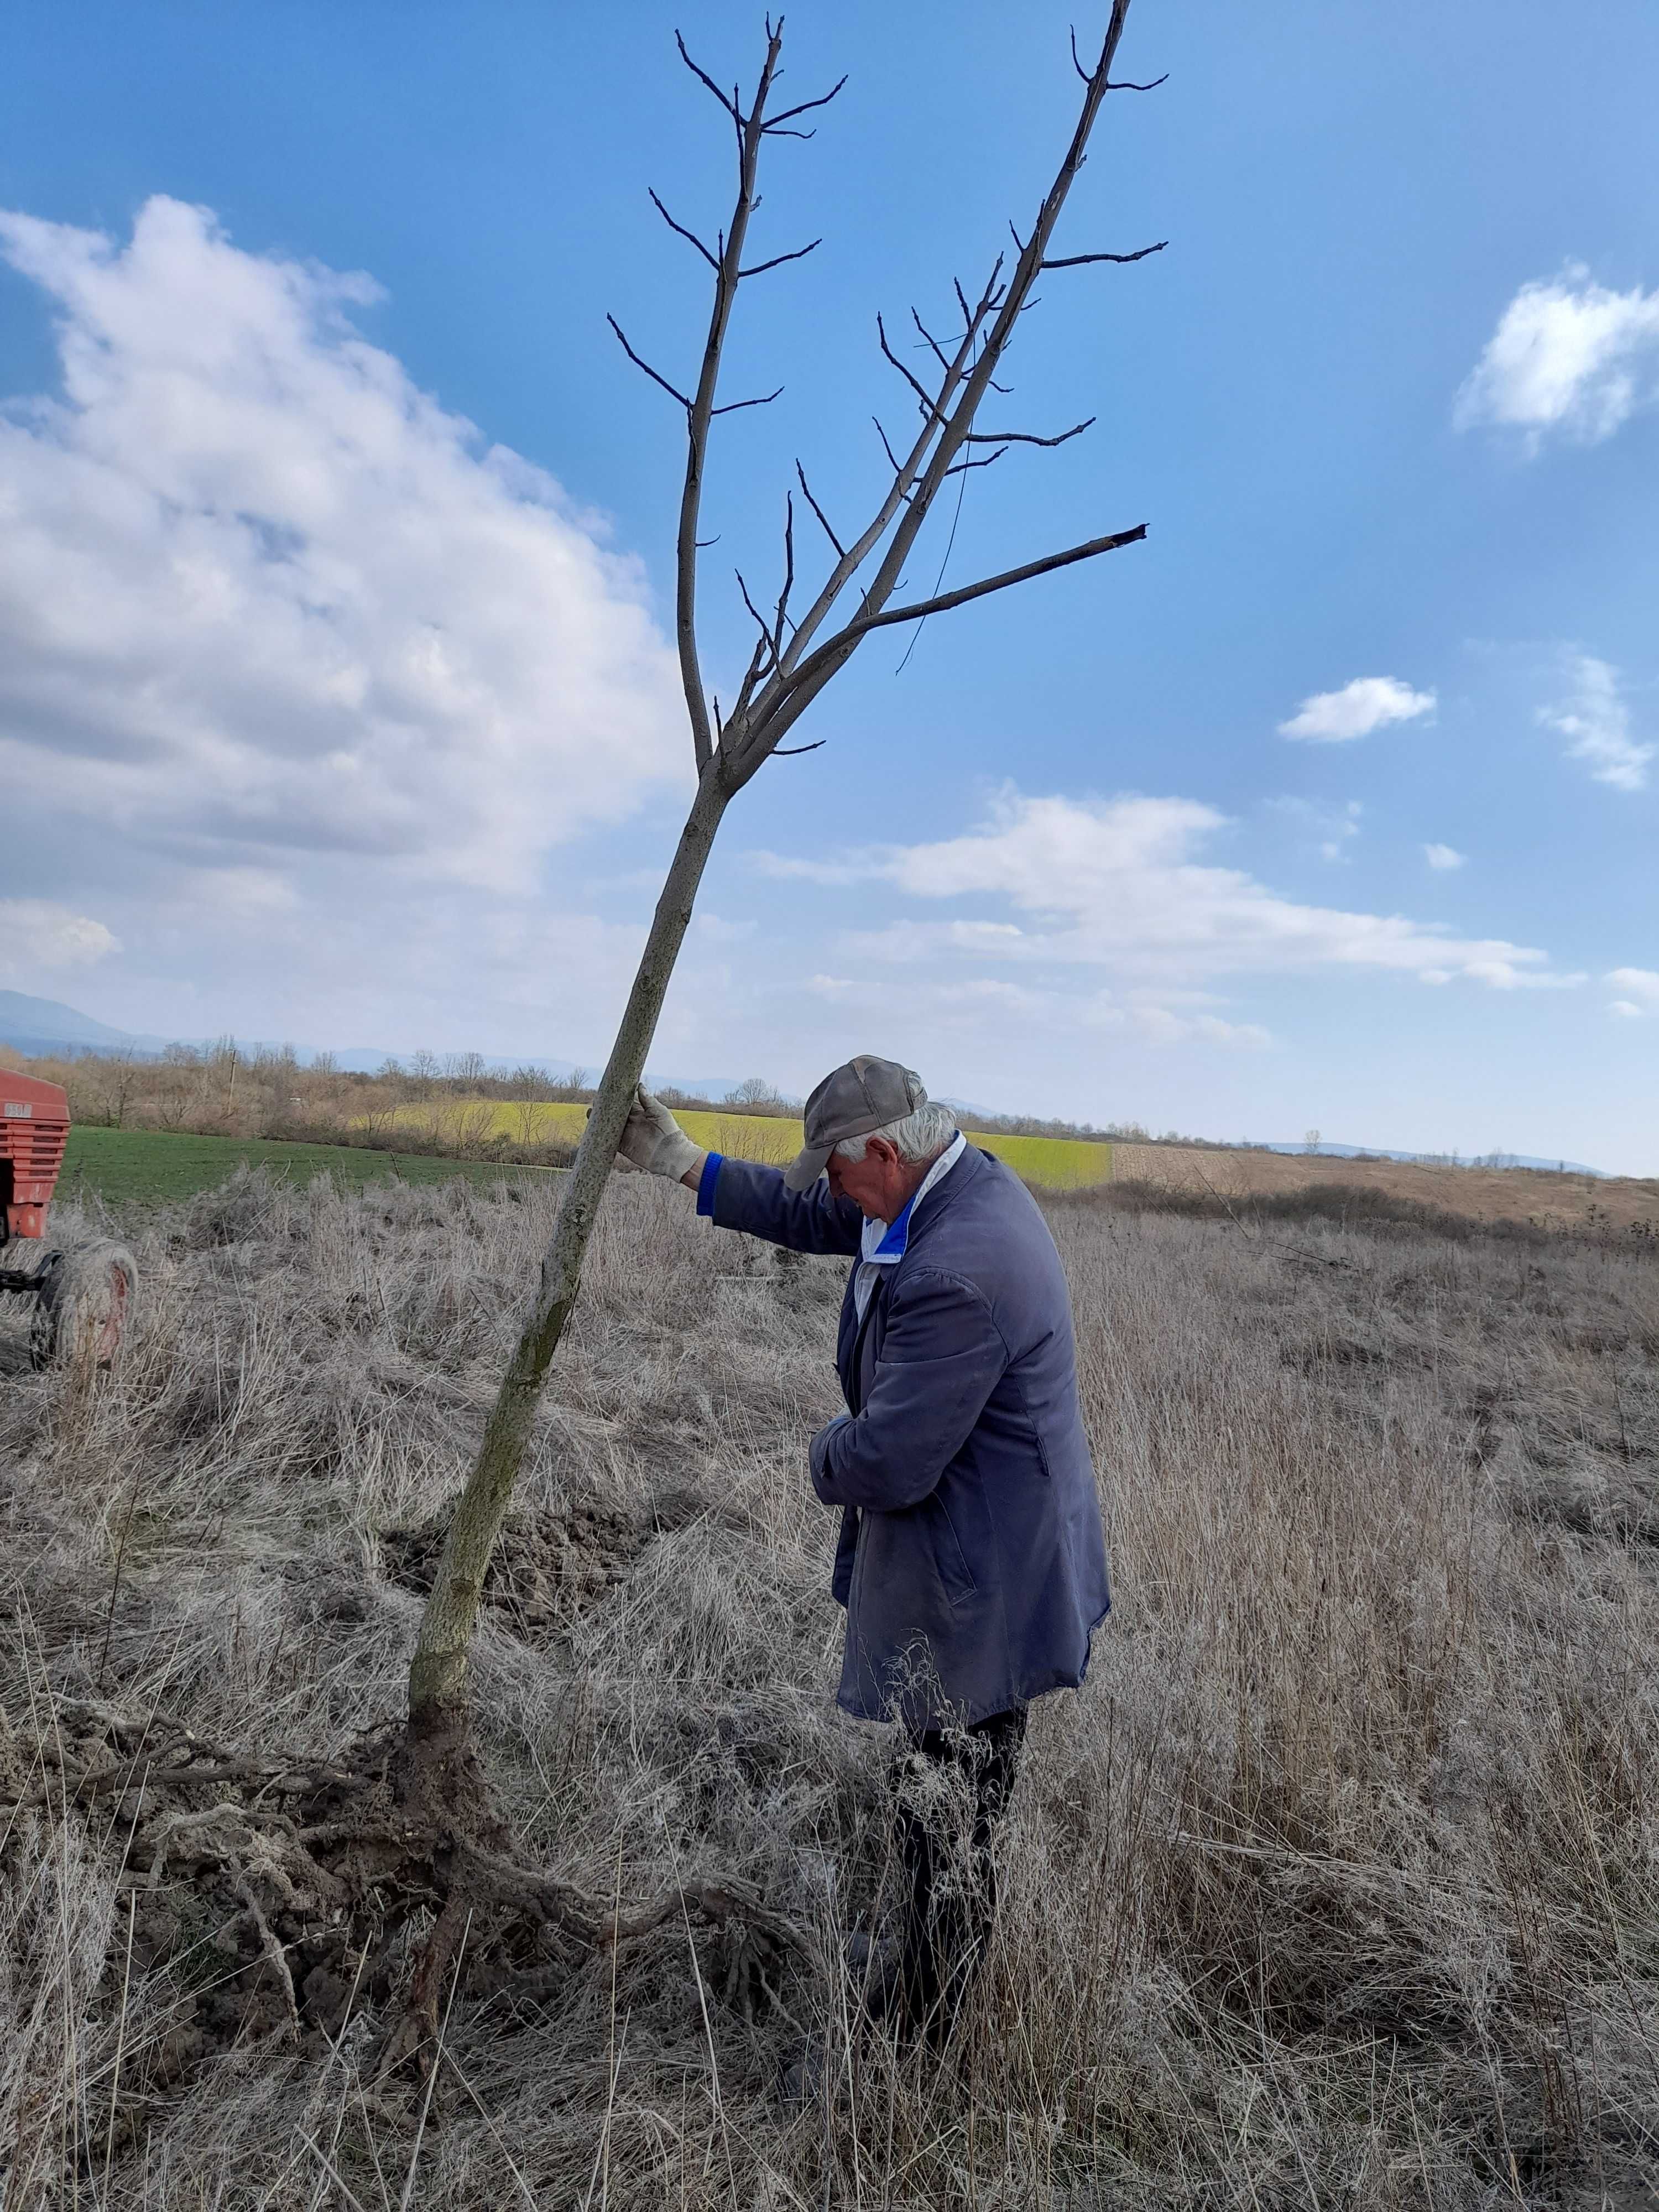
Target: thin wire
<point>961,493</point>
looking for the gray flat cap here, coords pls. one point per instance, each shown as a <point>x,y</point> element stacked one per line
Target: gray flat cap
<point>866,1094</point>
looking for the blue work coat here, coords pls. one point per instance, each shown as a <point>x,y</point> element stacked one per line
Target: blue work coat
<point>972,1561</point>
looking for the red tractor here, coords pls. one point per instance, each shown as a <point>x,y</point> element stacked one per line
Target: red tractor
<point>83,1295</point>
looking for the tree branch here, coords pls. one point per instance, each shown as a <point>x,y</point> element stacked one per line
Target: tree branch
<point>798,687</point>
<point>942,601</point>
<point>749,675</point>
<point>680,229</point>
<point>778,260</point>
<point>731,406</point>
<point>1077,260</point>
<point>805,108</point>
<point>943,447</point>
<point>885,447</point>
<point>788,575</point>
<point>729,105</point>
<point>673,390</point>
<point>938,351</point>
<point>761,622</point>
<point>1026,437</point>
<point>929,405</point>
<point>701,410</point>
<point>950,418</point>
<point>824,519</point>
<point>905,472</point>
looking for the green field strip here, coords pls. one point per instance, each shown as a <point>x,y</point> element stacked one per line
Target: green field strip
<point>150,1166</point>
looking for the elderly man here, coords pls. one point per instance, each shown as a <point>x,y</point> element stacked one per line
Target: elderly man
<point>971,1561</point>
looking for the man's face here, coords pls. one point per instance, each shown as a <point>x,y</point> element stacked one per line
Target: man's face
<point>879,1184</point>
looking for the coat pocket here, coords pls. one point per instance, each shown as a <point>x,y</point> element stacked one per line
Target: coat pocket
<point>949,1558</point>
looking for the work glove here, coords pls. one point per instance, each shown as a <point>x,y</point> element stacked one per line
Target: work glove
<point>652,1139</point>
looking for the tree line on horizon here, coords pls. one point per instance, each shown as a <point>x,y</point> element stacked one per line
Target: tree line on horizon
<point>226,1090</point>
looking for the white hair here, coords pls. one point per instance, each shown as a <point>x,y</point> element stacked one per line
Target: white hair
<point>918,1137</point>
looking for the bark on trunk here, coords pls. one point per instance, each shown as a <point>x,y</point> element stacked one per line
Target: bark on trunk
<point>437,1674</point>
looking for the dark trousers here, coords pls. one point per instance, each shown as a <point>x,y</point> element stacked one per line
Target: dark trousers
<point>952,1790</point>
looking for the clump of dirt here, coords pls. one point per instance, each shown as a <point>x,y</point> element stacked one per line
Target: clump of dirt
<point>551,1567</point>
<point>272,1901</point>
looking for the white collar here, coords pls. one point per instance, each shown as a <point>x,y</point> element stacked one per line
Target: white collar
<point>885,1242</point>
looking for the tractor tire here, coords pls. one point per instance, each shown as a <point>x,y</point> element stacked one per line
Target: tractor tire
<point>85,1307</point>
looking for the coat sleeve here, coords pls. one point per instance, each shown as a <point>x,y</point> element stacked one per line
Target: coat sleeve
<point>749,1197</point>
<point>941,1358</point>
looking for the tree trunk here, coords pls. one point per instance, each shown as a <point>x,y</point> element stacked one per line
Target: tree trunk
<point>437,1674</point>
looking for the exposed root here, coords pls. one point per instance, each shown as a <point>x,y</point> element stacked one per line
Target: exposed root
<point>314,1877</point>
<point>272,1949</point>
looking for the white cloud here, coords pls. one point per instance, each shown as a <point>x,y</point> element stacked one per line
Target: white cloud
<point>1639,992</point>
<point>995,1008</point>
<point>1121,884</point>
<point>1597,720</point>
<point>786,868</point>
<point>716,929</point>
<point>1332,829</point>
<point>1161,1026</point>
<point>1369,703</point>
<point>38,933</point>
<point>264,603</point>
<point>1444,856</point>
<point>1503,974</point>
<point>1567,356</point>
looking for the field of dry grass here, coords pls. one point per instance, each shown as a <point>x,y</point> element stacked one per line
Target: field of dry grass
<point>1336,1885</point>
<point>1624,1205</point>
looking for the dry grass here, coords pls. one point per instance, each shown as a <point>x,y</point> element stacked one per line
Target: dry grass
<point>1599,1205</point>
<point>1337,1884</point>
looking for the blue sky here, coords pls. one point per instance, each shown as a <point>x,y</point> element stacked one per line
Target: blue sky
<point>332,717</point>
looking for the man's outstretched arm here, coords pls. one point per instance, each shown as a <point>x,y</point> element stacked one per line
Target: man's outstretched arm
<point>738,1194</point>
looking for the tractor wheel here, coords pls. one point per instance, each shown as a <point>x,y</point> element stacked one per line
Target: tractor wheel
<point>86,1302</point>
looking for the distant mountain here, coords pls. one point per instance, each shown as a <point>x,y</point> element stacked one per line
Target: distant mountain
<point>966,1106</point>
<point>25,1021</point>
<point>45,1026</point>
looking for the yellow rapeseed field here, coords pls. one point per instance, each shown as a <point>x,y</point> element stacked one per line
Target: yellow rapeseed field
<point>1055,1162</point>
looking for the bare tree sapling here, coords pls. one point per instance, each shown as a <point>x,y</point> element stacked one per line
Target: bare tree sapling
<point>794,656</point>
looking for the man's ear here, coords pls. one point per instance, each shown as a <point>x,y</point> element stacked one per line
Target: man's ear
<point>884,1148</point>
